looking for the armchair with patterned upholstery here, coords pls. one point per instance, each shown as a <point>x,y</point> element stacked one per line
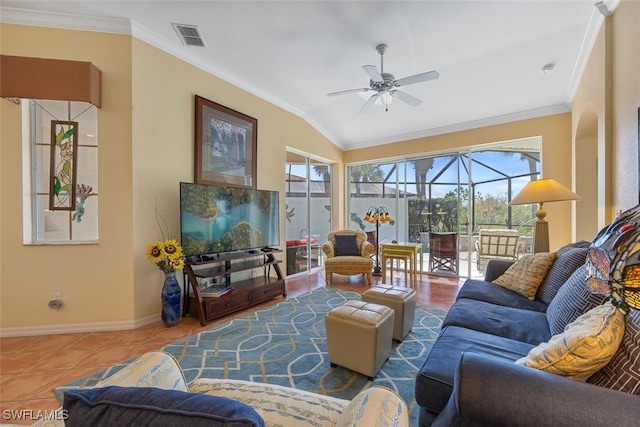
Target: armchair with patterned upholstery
<point>348,253</point>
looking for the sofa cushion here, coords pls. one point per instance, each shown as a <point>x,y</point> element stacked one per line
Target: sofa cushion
<point>374,406</point>
<point>526,274</point>
<point>481,290</point>
<point>149,406</point>
<point>434,382</point>
<point>514,323</point>
<point>585,346</point>
<point>623,371</point>
<point>572,300</point>
<point>346,245</point>
<point>568,259</point>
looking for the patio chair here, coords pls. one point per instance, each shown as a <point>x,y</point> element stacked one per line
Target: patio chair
<point>443,252</point>
<point>496,244</point>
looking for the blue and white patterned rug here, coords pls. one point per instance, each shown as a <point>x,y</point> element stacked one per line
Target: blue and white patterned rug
<point>286,344</point>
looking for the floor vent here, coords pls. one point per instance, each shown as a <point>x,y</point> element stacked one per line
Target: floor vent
<point>189,34</point>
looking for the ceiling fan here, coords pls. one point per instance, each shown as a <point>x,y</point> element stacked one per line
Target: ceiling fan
<point>385,84</point>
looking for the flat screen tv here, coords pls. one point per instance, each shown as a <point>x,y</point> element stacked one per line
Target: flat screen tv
<point>216,219</point>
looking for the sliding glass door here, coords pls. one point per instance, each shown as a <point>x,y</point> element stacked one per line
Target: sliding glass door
<point>308,195</point>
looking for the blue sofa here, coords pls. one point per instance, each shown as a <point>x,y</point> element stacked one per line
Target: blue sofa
<point>470,377</point>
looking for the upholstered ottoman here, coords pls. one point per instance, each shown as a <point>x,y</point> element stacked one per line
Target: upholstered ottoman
<point>403,302</point>
<point>359,336</point>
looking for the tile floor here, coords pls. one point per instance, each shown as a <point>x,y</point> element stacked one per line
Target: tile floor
<point>30,367</point>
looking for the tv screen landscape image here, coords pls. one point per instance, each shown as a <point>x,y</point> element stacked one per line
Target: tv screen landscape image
<point>216,219</point>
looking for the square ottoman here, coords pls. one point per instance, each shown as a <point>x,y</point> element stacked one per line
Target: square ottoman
<point>403,302</point>
<point>359,336</point>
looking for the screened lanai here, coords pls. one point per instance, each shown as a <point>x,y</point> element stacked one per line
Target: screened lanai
<point>462,194</point>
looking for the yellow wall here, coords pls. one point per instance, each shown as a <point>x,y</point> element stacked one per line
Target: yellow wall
<point>610,87</point>
<point>556,157</point>
<point>96,281</point>
<point>626,101</point>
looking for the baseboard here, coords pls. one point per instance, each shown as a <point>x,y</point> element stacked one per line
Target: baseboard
<point>75,328</point>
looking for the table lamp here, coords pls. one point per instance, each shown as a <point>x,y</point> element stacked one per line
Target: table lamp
<point>377,215</point>
<point>542,191</point>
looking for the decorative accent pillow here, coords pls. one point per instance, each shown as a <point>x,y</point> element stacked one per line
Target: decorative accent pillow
<point>572,300</point>
<point>346,244</point>
<point>148,406</point>
<point>585,346</point>
<point>526,274</point>
<point>623,371</point>
<point>568,259</point>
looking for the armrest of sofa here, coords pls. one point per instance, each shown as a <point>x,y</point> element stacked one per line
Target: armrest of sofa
<point>490,391</point>
<point>153,369</point>
<point>495,269</point>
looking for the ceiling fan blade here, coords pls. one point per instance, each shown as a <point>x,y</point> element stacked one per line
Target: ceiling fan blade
<point>344,92</point>
<point>367,105</point>
<point>405,97</point>
<point>417,78</point>
<point>373,72</point>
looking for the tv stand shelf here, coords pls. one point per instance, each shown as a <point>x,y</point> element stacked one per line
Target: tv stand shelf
<point>246,292</point>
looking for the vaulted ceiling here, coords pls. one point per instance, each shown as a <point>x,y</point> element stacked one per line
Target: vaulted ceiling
<point>490,55</point>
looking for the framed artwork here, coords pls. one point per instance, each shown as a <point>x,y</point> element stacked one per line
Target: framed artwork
<point>63,154</point>
<point>226,144</point>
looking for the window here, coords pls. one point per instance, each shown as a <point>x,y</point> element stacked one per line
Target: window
<point>60,172</point>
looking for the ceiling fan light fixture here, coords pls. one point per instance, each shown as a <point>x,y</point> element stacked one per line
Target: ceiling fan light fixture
<point>386,98</point>
<point>384,84</point>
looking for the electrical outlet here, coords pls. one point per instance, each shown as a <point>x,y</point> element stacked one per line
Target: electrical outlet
<point>57,296</point>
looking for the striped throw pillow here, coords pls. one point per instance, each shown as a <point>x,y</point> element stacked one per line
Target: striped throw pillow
<point>568,259</point>
<point>623,372</point>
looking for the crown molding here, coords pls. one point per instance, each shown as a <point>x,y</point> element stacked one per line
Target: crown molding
<point>11,15</point>
<point>588,41</point>
<point>458,127</point>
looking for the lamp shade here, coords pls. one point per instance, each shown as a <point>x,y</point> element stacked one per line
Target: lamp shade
<point>542,191</point>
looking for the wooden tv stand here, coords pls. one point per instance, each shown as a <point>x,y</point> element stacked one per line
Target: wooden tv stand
<point>246,292</point>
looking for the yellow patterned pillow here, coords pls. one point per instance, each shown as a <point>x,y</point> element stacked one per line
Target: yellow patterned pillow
<point>526,274</point>
<point>586,345</point>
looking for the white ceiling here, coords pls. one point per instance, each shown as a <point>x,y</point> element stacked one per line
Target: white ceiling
<point>489,54</point>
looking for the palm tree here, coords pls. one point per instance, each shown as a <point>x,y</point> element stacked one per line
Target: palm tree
<point>365,173</point>
<point>325,173</point>
<point>421,167</point>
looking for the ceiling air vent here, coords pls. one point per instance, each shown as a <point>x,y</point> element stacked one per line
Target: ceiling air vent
<point>189,34</point>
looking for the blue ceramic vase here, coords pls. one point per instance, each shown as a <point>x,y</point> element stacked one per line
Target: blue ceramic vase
<point>170,300</point>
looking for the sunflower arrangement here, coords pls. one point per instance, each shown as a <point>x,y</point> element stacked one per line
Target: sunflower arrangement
<point>167,255</point>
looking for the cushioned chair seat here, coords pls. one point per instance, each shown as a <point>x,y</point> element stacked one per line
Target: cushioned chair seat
<point>523,325</point>
<point>481,290</point>
<point>434,382</point>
